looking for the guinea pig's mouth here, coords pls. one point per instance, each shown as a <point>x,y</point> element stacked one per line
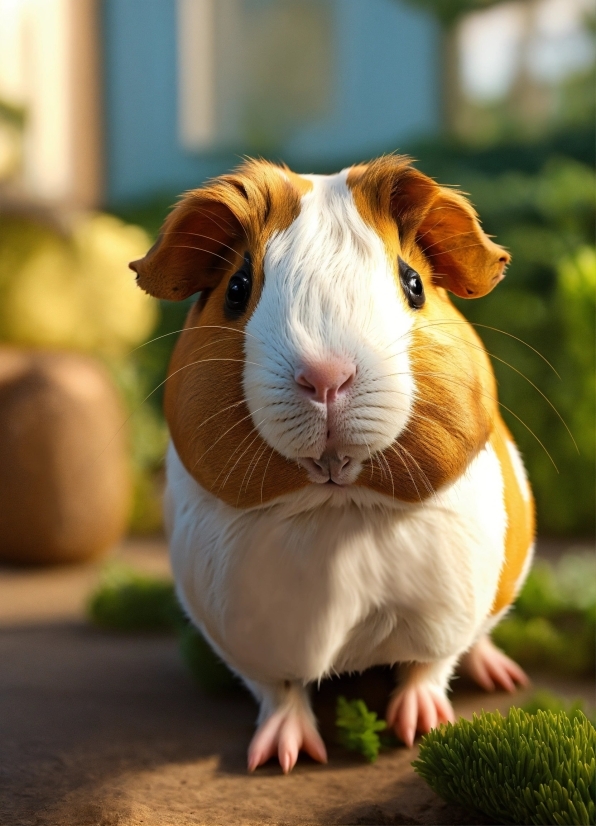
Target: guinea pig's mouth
<point>331,468</point>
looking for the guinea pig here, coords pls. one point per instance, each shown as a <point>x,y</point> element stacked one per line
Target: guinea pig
<point>341,489</point>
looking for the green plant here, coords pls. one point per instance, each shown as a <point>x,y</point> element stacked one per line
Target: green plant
<point>544,700</point>
<point>522,768</point>
<point>358,727</point>
<point>553,623</point>
<point>126,600</point>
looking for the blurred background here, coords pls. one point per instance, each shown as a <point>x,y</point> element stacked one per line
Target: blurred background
<point>110,108</point>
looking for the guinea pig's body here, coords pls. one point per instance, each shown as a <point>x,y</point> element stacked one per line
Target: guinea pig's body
<point>342,491</point>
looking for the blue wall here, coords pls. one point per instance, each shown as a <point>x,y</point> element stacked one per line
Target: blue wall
<point>386,87</point>
<point>387,83</point>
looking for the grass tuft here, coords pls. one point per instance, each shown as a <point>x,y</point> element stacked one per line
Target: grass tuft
<point>520,769</point>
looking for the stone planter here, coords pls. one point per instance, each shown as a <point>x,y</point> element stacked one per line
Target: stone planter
<point>65,486</point>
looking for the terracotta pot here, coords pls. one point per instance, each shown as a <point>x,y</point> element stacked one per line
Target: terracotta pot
<point>65,485</point>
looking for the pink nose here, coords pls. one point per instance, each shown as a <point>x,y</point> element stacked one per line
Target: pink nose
<point>325,381</point>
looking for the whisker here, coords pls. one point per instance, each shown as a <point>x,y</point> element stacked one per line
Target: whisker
<point>243,419</point>
<point>202,249</point>
<point>403,461</point>
<point>504,406</point>
<point>488,327</point>
<point>442,240</point>
<point>523,375</point>
<point>265,472</point>
<point>200,235</point>
<point>423,475</point>
<point>253,465</point>
<point>384,458</point>
<point>236,449</point>
<point>199,327</point>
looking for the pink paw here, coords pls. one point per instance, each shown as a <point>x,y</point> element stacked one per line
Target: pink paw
<point>490,668</point>
<point>285,733</point>
<point>417,707</point>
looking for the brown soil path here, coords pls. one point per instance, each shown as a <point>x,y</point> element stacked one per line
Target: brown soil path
<point>109,730</point>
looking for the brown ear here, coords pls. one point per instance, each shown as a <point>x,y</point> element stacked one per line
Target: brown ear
<point>200,240</point>
<point>463,258</point>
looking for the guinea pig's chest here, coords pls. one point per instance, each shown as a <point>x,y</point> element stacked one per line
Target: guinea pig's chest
<point>335,587</point>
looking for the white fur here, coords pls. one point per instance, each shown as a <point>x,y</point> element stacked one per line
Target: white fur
<point>318,582</point>
<point>329,291</point>
<point>519,470</point>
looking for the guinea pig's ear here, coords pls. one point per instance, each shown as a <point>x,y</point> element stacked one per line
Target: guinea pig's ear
<point>463,258</point>
<point>199,241</point>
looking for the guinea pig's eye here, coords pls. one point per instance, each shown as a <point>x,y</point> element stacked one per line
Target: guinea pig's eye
<point>239,289</point>
<point>412,285</point>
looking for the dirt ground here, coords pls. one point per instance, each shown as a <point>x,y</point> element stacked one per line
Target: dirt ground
<point>100,729</point>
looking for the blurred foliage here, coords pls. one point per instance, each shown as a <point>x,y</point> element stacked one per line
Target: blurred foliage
<point>449,12</point>
<point>553,624</point>
<point>130,601</point>
<point>522,768</point>
<point>66,289</point>
<point>544,700</point>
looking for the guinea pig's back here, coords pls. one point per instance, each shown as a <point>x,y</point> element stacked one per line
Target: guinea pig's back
<point>519,507</point>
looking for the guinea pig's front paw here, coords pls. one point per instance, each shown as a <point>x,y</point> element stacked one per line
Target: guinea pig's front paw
<point>417,707</point>
<point>286,732</point>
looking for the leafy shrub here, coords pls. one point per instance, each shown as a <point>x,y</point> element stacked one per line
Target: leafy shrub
<point>522,768</point>
<point>553,623</point>
<point>358,728</point>
<point>126,600</point>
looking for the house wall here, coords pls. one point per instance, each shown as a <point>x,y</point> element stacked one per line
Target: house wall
<point>385,91</point>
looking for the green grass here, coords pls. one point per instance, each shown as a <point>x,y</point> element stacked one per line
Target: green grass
<point>523,768</point>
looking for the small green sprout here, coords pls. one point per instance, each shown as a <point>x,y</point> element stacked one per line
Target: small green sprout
<point>358,727</point>
<point>523,768</point>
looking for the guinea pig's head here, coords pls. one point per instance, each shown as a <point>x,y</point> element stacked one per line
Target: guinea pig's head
<point>323,349</point>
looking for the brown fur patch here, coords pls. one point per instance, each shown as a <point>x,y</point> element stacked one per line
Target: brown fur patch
<point>520,522</point>
<point>209,421</point>
<point>393,197</point>
<point>454,407</point>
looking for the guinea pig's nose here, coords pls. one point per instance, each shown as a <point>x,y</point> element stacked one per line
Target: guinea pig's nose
<point>325,381</point>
